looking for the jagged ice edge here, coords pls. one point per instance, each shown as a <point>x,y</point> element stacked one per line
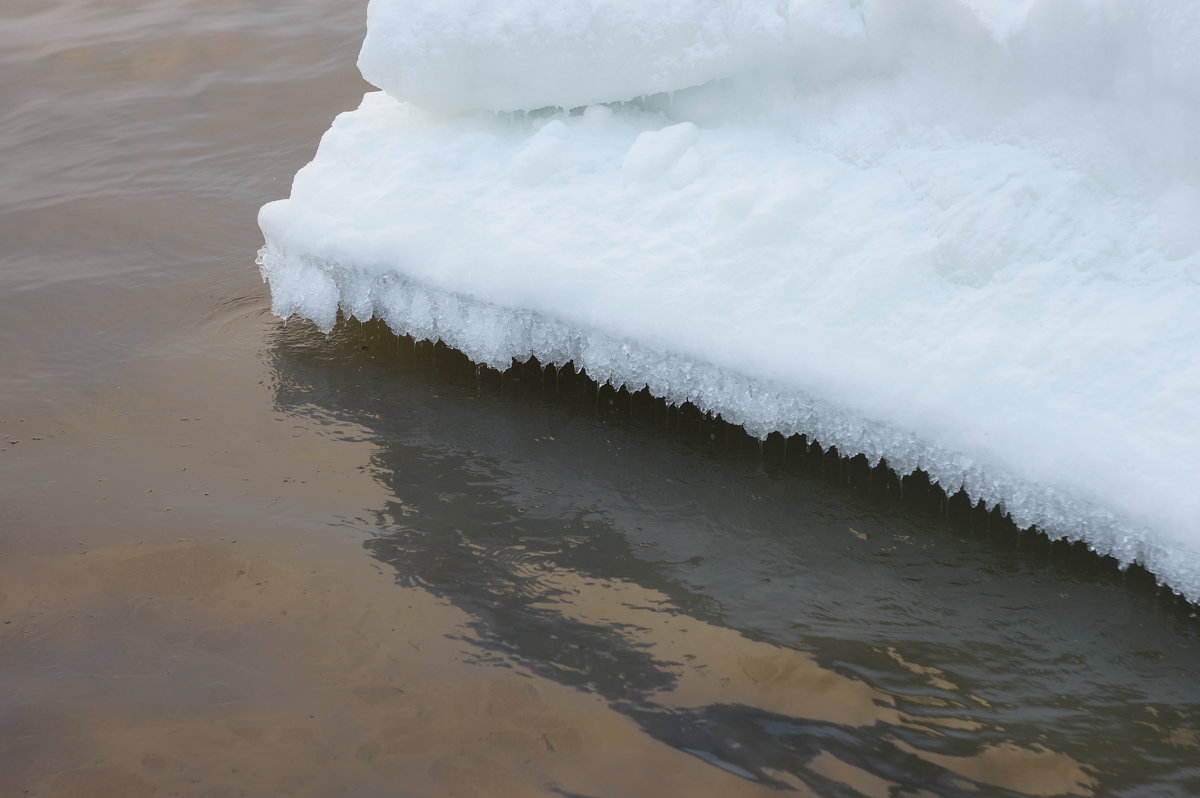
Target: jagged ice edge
<point>495,336</point>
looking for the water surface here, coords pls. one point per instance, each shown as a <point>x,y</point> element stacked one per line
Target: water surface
<point>241,558</point>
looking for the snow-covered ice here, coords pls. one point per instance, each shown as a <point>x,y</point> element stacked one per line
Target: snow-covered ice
<point>961,235</point>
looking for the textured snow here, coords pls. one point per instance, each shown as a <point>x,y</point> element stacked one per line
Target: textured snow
<point>961,236</point>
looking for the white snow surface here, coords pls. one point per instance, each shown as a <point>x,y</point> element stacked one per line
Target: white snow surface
<point>961,235</point>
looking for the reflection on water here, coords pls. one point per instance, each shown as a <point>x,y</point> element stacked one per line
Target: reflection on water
<point>562,593</point>
<point>742,610</point>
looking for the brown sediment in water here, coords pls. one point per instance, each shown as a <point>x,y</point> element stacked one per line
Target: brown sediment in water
<point>255,668</point>
<point>179,617</point>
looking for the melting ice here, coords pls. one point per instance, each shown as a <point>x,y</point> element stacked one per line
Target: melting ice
<point>961,235</point>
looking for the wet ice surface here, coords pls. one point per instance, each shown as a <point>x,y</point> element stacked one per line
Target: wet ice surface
<point>912,234</point>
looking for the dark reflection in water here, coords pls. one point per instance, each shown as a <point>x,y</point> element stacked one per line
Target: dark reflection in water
<point>746,610</point>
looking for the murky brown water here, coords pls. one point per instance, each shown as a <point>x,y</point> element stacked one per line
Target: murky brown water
<point>238,558</point>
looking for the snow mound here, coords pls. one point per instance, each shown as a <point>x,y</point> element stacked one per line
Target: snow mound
<point>961,236</point>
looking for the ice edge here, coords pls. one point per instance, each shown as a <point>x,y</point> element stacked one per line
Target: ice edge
<point>427,313</point>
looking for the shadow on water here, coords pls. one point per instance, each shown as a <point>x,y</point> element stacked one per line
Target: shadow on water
<point>743,604</point>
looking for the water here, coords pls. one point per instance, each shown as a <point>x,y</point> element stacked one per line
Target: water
<point>240,558</point>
